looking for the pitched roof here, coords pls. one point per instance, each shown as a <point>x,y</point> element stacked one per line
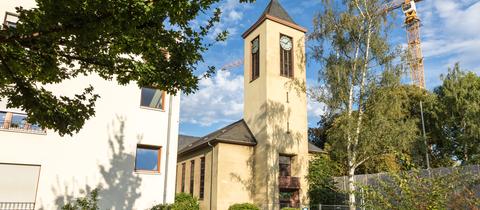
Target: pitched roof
<point>277,13</point>
<point>275,9</point>
<point>313,149</point>
<point>235,133</point>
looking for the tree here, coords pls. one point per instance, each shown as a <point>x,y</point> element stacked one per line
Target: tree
<point>456,117</point>
<point>152,43</point>
<point>353,48</point>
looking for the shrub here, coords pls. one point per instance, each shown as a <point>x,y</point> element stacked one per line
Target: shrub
<point>243,206</point>
<point>290,208</point>
<point>89,202</point>
<point>183,201</point>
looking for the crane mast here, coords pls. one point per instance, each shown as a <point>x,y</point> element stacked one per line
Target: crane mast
<point>414,51</point>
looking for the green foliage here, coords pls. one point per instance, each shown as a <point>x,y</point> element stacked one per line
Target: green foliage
<point>321,171</point>
<point>289,208</point>
<point>124,40</point>
<point>417,190</point>
<point>243,206</point>
<point>183,201</point>
<point>90,202</point>
<point>456,117</point>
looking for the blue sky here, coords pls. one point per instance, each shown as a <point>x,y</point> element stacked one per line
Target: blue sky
<point>450,33</point>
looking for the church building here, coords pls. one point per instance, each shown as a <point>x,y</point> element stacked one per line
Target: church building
<point>262,158</point>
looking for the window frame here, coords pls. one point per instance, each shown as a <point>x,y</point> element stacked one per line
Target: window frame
<point>192,177</point>
<point>255,60</point>
<point>291,70</point>
<point>289,168</point>
<point>153,108</point>
<point>201,195</point>
<point>182,189</point>
<point>159,158</point>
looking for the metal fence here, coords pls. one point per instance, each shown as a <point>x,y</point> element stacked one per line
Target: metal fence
<point>17,205</point>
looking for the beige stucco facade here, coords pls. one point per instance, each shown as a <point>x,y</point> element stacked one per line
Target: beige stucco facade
<point>232,175</point>
<point>268,112</point>
<point>275,112</point>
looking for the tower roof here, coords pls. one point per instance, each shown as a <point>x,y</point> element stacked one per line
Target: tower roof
<point>277,13</point>
<point>275,9</point>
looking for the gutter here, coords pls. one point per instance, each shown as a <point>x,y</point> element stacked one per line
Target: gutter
<point>170,104</point>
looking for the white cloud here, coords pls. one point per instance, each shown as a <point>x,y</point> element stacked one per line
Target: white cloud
<point>218,100</point>
<point>450,33</point>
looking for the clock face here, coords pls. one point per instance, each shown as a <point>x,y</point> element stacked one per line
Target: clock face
<point>286,43</point>
<point>255,46</point>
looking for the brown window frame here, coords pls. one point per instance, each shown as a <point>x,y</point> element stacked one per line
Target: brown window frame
<point>202,178</point>
<point>289,73</point>
<point>162,108</point>
<point>183,178</point>
<point>255,68</point>
<point>192,176</point>
<point>159,157</point>
<point>288,166</point>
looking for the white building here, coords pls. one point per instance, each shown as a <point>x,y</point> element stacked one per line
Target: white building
<point>128,149</point>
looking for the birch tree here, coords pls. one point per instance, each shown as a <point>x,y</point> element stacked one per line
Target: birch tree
<point>352,45</point>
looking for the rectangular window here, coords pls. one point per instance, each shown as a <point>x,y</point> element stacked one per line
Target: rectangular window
<point>148,158</point>
<point>255,58</point>
<point>202,178</point>
<point>183,177</point>
<point>192,175</point>
<point>152,98</point>
<point>285,165</point>
<point>286,56</point>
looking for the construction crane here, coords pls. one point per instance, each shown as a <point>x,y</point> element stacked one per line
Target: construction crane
<point>414,50</point>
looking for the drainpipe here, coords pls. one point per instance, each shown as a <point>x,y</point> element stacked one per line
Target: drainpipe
<point>169,127</point>
<point>211,174</point>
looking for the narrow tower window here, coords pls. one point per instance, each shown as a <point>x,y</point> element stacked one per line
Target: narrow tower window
<point>286,56</point>
<point>255,58</point>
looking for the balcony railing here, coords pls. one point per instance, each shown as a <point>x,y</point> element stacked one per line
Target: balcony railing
<point>17,206</point>
<point>21,127</point>
<point>288,182</point>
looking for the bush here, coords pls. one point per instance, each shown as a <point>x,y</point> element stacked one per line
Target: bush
<point>243,206</point>
<point>89,202</point>
<point>289,208</point>
<point>183,201</point>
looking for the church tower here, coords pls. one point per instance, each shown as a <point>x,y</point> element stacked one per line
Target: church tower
<point>275,108</point>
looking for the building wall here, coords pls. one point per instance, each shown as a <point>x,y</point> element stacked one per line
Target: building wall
<point>235,179</point>
<point>267,111</point>
<point>197,155</point>
<point>103,152</point>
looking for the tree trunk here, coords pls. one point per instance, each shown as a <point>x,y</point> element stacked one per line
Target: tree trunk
<point>351,185</point>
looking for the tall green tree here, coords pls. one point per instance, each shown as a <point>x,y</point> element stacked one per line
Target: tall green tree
<point>456,117</point>
<point>353,48</point>
<point>152,43</point>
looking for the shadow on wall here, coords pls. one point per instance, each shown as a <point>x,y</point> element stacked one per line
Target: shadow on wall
<point>276,115</point>
<point>120,185</point>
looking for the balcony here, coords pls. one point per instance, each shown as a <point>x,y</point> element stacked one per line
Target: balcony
<point>289,182</point>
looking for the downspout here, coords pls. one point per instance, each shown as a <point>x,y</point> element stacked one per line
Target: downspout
<point>169,127</point>
<point>211,174</point>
